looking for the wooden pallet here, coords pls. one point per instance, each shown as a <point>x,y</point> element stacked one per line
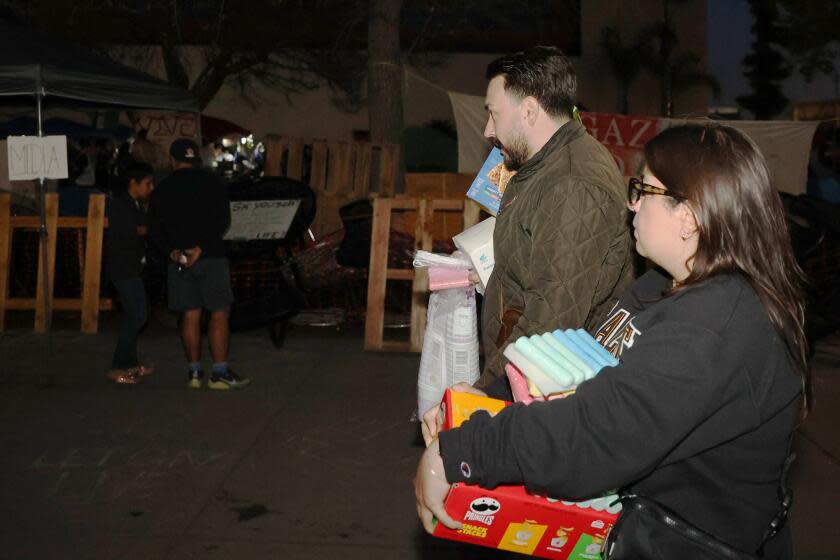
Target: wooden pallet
<point>339,172</point>
<point>89,303</point>
<point>379,273</point>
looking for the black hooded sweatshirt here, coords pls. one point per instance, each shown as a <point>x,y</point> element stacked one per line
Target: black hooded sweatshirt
<point>698,415</point>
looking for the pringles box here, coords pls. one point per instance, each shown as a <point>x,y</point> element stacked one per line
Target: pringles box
<point>511,518</point>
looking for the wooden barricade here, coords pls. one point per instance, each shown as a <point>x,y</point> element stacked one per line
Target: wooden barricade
<point>339,172</point>
<point>89,303</point>
<point>379,273</point>
<point>441,185</point>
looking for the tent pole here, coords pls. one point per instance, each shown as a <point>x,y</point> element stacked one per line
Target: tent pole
<point>42,209</point>
<point>198,128</point>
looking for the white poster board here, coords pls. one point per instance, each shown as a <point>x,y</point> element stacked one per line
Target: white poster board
<point>33,157</point>
<point>260,219</point>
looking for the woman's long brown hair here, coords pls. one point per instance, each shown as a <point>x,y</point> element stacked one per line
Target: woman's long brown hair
<point>723,177</point>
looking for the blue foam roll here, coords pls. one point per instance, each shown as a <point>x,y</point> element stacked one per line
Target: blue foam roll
<point>579,365</point>
<point>595,344</point>
<point>582,346</point>
<point>578,350</point>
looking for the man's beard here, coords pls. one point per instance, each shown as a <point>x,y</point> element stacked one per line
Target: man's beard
<point>516,153</point>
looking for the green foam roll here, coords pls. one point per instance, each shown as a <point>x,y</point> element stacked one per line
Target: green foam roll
<point>581,371</point>
<point>558,358</point>
<point>542,361</point>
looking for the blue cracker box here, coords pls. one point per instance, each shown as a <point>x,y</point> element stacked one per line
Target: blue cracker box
<point>489,185</point>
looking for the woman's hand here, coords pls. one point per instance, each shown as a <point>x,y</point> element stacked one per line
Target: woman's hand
<point>429,426</point>
<point>431,488</point>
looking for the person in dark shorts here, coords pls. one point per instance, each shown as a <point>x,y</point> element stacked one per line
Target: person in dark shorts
<point>189,215</point>
<point>126,255</point>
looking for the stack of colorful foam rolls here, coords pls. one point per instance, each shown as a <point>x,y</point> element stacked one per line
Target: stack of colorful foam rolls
<point>552,365</point>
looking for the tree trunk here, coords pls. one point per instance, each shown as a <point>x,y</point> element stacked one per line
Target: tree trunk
<point>385,73</point>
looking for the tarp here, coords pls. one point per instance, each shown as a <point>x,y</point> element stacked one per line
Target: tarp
<point>785,144</point>
<point>31,62</point>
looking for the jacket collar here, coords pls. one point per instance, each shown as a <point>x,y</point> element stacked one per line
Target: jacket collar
<point>564,135</point>
<point>123,195</point>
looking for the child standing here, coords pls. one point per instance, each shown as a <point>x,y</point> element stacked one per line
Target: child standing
<point>126,255</point>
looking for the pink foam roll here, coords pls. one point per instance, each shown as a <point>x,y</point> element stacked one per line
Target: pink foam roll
<point>443,278</point>
<point>518,385</point>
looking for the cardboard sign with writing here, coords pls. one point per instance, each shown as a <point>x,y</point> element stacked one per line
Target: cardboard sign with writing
<point>33,157</point>
<point>260,219</point>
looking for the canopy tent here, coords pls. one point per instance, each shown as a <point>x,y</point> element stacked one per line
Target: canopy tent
<point>32,63</point>
<point>28,126</point>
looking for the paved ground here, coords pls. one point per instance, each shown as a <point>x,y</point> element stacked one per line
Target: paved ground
<point>313,461</point>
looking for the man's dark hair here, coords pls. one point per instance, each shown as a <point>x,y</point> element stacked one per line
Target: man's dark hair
<point>138,171</point>
<point>543,73</point>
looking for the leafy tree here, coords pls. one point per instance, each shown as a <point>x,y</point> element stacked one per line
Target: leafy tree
<point>812,36</point>
<point>677,72</point>
<point>766,66</point>
<point>626,60</point>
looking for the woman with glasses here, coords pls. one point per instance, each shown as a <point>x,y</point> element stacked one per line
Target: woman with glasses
<point>698,415</point>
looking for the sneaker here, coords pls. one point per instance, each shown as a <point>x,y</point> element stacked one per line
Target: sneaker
<point>194,379</point>
<point>227,380</point>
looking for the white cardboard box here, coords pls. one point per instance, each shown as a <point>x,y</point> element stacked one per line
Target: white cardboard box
<point>477,243</point>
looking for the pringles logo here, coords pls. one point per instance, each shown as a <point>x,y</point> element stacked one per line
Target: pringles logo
<point>483,510</point>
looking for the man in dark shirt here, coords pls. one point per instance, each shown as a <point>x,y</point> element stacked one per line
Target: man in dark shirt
<point>190,214</point>
<point>126,249</point>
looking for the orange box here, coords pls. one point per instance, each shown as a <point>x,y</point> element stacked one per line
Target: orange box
<point>456,407</point>
<point>510,517</point>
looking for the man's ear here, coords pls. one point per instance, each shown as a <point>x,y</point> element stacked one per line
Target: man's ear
<point>530,109</point>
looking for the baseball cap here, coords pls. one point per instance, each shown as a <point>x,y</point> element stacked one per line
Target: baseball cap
<point>185,150</point>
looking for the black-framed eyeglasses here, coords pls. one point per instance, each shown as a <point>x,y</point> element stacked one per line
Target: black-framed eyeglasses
<point>636,189</point>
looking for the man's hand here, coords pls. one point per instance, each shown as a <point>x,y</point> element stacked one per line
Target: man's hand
<point>176,256</point>
<point>192,256</point>
<point>429,427</point>
<point>141,231</point>
<point>431,488</point>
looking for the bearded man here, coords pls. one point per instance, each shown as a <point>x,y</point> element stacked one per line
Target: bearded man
<point>562,242</point>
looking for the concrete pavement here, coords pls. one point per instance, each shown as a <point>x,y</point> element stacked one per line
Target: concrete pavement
<point>314,460</point>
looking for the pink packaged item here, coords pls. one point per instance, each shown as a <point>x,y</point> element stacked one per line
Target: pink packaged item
<point>444,277</point>
<point>518,385</point>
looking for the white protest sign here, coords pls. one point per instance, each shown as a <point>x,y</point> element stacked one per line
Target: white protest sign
<point>33,157</point>
<point>260,219</point>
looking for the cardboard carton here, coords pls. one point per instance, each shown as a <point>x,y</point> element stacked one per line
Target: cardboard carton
<point>477,243</point>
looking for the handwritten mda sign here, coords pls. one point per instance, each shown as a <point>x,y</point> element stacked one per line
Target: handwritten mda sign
<point>33,157</point>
